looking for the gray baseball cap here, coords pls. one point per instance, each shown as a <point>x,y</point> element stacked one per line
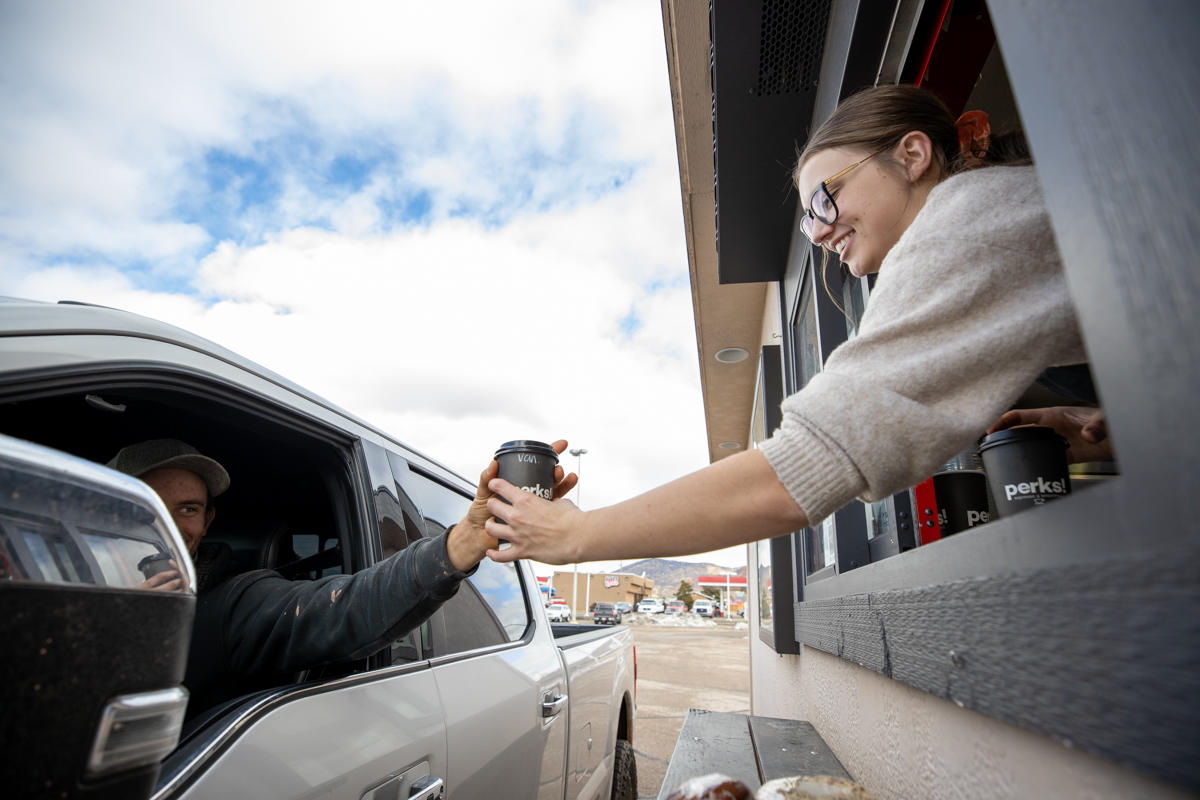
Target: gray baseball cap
<point>138,459</point>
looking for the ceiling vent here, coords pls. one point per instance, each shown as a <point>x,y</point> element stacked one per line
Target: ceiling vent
<point>765,59</point>
<point>790,45</point>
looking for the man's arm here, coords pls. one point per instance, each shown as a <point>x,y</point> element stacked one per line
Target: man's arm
<point>272,624</point>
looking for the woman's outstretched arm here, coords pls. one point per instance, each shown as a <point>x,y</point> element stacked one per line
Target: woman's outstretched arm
<point>734,501</point>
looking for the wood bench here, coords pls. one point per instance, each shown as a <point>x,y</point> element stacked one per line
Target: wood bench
<point>751,749</point>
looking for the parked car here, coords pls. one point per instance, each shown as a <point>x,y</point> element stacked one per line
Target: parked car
<point>625,608</point>
<point>606,614</point>
<point>315,492</point>
<point>703,607</point>
<point>676,607</point>
<point>651,605</point>
<point>559,612</point>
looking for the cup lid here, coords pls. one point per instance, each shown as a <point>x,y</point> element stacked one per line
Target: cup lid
<point>1031,433</point>
<point>527,446</point>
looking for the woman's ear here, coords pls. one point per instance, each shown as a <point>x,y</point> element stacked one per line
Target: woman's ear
<point>915,152</point>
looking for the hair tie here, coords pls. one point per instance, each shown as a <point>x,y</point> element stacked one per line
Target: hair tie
<point>974,133</point>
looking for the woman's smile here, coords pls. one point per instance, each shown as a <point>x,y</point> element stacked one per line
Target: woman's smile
<point>874,204</point>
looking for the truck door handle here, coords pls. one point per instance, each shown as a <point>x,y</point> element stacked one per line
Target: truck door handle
<point>553,704</point>
<point>427,788</point>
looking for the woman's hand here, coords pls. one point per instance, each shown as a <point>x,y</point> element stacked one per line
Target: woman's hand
<point>537,528</point>
<point>471,539</point>
<point>530,532</point>
<point>1083,428</point>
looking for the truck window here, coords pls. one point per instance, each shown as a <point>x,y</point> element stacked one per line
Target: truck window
<point>489,608</point>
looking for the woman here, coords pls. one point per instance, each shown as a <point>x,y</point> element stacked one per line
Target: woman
<point>970,305</point>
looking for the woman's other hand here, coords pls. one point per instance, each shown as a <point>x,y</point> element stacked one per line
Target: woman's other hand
<point>1083,428</point>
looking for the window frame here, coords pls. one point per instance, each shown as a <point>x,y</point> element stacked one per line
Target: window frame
<point>779,632</point>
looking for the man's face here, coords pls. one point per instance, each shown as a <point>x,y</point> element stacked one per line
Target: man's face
<point>186,497</point>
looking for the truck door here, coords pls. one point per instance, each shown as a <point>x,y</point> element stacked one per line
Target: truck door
<point>500,677</point>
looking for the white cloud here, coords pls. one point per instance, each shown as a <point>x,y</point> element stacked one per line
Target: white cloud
<point>454,334</point>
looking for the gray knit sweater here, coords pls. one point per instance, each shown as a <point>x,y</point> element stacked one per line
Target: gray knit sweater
<point>969,307</point>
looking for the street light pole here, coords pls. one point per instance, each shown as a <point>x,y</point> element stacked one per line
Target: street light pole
<point>578,452</point>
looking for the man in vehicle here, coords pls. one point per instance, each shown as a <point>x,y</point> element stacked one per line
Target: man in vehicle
<point>254,630</point>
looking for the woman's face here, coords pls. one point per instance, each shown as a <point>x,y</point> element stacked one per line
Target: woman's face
<point>876,202</point>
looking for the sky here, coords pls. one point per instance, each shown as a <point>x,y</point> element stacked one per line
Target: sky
<point>460,222</point>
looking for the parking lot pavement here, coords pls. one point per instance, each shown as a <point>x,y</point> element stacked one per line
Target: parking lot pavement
<point>680,667</point>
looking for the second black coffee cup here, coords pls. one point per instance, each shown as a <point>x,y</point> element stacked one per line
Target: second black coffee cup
<point>960,489</point>
<point>153,564</point>
<point>1025,467</point>
<point>962,500</point>
<point>528,465</point>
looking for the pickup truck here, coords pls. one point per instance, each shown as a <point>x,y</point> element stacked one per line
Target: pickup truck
<point>559,612</point>
<point>486,699</point>
<point>651,605</point>
<point>606,614</point>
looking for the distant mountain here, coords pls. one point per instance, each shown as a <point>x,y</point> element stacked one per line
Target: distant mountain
<point>667,573</point>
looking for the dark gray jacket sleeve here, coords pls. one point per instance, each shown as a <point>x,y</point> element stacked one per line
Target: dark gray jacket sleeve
<point>272,624</point>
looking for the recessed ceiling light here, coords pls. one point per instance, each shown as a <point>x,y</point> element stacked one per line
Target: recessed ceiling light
<point>730,445</point>
<point>732,355</point>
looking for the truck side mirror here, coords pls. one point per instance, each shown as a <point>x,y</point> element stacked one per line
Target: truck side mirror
<point>92,659</point>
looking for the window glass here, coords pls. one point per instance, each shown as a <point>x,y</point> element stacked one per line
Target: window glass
<point>853,304</point>
<point>808,341</point>
<point>42,556</point>
<point>819,540</point>
<point>820,545</point>
<point>489,607</point>
<point>307,545</point>
<point>879,521</point>
<point>393,536</point>
<point>762,549</point>
<point>766,594</point>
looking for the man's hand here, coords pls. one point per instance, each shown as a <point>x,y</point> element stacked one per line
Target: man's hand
<point>469,540</point>
<point>1083,428</point>
<point>169,580</point>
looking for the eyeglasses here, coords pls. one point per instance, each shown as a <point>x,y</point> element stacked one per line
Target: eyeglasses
<point>822,206</point>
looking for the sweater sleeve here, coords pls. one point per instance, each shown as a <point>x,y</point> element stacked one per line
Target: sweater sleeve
<point>273,624</point>
<point>969,307</point>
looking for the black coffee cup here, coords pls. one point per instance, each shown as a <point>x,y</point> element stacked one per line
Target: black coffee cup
<point>151,565</point>
<point>1025,467</point>
<point>962,499</point>
<point>960,489</point>
<point>528,465</point>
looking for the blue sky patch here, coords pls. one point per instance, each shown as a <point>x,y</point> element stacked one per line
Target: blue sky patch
<point>630,324</point>
<point>248,193</point>
<point>677,281</point>
<point>407,207</point>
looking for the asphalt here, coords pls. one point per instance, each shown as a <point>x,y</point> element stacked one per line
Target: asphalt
<point>680,666</point>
